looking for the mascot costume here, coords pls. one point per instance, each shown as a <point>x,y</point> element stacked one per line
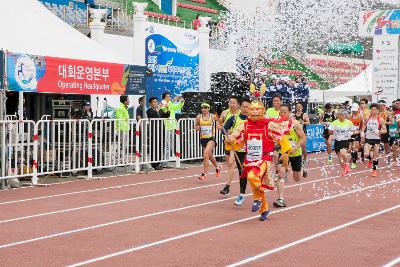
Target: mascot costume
<point>259,135</point>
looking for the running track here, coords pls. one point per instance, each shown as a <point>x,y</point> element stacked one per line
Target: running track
<point>169,218</point>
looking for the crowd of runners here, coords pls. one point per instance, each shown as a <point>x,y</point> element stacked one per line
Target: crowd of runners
<point>357,135</point>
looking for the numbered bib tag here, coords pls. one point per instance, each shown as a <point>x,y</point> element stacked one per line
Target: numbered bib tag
<point>292,143</point>
<point>393,132</point>
<point>206,130</point>
<point>254,150</point>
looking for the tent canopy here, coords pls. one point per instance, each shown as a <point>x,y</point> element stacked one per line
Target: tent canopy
<point>361,85</point>
<point>29,27</point>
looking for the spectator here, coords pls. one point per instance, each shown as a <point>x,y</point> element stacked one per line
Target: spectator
<point>139,110</point>
<point>153,113</point>
<point>122,125</point>
<point>167,110</point>
<point>196,22</point>
<point>87,111</point>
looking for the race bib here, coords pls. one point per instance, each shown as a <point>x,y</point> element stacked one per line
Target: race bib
<point>393,132</point>
<point>292,143</point>
<point>254,150</point>
<point>206,130</point>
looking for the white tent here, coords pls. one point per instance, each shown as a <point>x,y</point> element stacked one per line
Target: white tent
<point>29,27</point>
<point>318,96</point>
<point>361,85</point>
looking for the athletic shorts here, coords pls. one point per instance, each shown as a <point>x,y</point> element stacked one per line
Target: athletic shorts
<point>326,134</point>
<point>339,145</point>
<point>355,138</point>
<point>373,142</point>
<point>295,162</point>
<point>385,138</point>
<point>205,141</point>
<point>394,141</point>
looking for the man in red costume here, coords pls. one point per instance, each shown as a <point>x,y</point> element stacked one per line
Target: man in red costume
<point>259,134</point>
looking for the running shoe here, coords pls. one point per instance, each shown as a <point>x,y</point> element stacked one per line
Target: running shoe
<point>369,164</point>
<point>264,215</point>
<point>279,203</point>
<point>329,161</point>
<point>305,173</point>
<point>256,205</point>
<point>344,173</point>
<point>353,165</point>
<point>218,171</point>
<point>347,168</point>
<point>239,200</point>
<point>203,177</point>
<point>225,190</point>
<point>374,173</point>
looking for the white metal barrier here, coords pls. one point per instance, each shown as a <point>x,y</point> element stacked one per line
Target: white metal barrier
<point>190,147</point>
<point>155,141</point>
<point>61,146</point>
<point>16,149</point>
<point>112,143</point>
<point>68,146</point>
<point>11,117</point>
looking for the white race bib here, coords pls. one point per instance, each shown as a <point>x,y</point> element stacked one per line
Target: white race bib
<point>206,130</point>
<point>254,150</point>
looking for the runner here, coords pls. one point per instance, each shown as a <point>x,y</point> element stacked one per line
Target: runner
<point>304,120</point>
<point>273,113</point>
<point>396,109</point>
<point>230,161</point>
<point>204,124</point>
<point>372,129</point>
<point>341,131</point>
<point>239,153</point>
<point>394,137</point>
<point>326,118</point>
<point>364,110</point>
<point>297,139</point>
<point>383,113</point>
<point>356,119</point>
<point>258,134</point>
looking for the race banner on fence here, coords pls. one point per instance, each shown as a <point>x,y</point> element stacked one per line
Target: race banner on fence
<point>172,54</point>
<point>43,74</point>
<point>379,22</point>
<point>315,140</point>
<point>1,69</point>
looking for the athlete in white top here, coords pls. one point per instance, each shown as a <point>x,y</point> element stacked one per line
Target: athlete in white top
<point>371,132</point>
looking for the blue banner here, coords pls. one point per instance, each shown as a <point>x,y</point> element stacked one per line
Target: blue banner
<point>315,140</point>
<point>172,56</point>
<point>1,69</point>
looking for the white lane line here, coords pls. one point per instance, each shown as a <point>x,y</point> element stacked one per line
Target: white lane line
<point>208,229</point>
<point>139,217</point>
<point>99,189</point>
<point>392,263</point>
<point>108,203</point>
<point>113,187</point>
<point>143,197</point>
<point>314,236</point>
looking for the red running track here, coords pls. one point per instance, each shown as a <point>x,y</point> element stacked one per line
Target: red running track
<point>170,218</point>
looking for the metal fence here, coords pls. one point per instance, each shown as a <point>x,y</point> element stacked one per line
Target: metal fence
<point>16,149</point>
<point>65,147</point>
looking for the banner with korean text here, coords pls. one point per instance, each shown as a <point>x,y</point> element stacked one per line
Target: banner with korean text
<point>315,140</point>
<point>43,74</point>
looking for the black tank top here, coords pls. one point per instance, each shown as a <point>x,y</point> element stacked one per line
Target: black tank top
<point>299,118</point>
<point>329,117</point>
